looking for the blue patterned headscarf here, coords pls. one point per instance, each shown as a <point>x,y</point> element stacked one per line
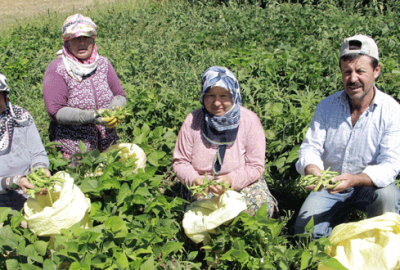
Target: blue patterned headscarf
<point>221,130</point>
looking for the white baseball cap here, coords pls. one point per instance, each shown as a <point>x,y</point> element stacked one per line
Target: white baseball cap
<point>367,44</point>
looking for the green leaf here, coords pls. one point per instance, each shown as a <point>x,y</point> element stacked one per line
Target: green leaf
<point>277,108</point>
<point>12,264</point>
<point>279,163</point>
<point>145,129</point>
<point>305,259</point>
<point>60,163</point>
<point>89,185</point>
<point>158,131</point>
<point>75,266</point>
<point>227,256</point>
<point>110,183</point>
<point>82,147</point>
<point>4,211</point>
<point>170,136</point>
<point>31,254</point>
<point>154,157</point>
<point>139,199</point>
<point>144,191</point>
<point>87,263</point>
<point>239,244</point>
<point>73,247</point>
<point>332,263</point>
<point>192,255</point>
<point>140,139</point>
<point>122,260</point>
<point>170,247</point>
<point>94,236</point>
<point>49,265</point>
<point>109,245</point>
<point>324,241</point>
<point>310,225</point>
<point>146,250</point>
<point>51,144</point>
<point>117,226</point>
<point>293,155</point>
<point>29,267</point>
<point>262,212</point>
<point>100,261</point>
<point>41,247</point>
<point>148,265</point>
<point>124,192</point>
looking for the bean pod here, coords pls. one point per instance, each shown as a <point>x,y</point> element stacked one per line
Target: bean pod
<point>206,183</point>
<point>39,179</point>
<point>324,180</point>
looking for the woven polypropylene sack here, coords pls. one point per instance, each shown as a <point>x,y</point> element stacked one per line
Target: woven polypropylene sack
<point>69,206</point>
<point>372,243</point>
<point>134,151</point>
<point>203,216</point>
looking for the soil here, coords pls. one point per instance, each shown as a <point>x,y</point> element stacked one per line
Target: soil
<point>13,11</point>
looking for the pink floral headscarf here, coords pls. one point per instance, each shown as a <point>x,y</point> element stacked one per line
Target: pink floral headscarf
<point>78,25</point>
<point>75,26</point>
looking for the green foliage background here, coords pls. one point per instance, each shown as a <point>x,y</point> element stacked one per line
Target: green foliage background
<point>285,55</point>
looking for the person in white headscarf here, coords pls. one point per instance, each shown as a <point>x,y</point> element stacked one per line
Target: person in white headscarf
<point>21,150</point>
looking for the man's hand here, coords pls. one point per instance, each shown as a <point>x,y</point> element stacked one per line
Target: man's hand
<point>218,190</point>
<point>348,180</point>
<point>314,170</point>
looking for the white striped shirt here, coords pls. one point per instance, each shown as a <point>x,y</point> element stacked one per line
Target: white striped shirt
<point>372,146</point>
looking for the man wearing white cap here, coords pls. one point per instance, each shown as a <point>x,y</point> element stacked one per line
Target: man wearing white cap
<point>355,132</point>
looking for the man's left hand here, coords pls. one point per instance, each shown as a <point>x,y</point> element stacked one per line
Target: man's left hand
<point>349,180</point>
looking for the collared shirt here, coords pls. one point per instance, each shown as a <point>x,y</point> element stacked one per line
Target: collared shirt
<point>372,146</point>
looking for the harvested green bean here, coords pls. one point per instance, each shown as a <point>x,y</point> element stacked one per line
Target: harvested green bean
<point>206,184</point>
<point>39,179</point>
<point>324,180</point>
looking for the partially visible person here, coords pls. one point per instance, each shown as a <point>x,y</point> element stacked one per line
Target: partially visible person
<point>224,140</point>
<point>76,84</point>
<point>355,132</point>
<point>21,151</point>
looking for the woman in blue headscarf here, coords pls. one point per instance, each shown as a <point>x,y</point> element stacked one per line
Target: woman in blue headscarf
<point>224,140</point>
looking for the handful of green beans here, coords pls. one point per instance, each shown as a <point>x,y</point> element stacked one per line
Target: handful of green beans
<point>39,179</point>
<point>206,183</point>
<point>324,179</point>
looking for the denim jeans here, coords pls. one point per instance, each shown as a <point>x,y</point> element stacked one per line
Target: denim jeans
<point>330,210</point>
<point>14,199</point>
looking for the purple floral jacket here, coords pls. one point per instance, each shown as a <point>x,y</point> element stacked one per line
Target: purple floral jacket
<point>96,91</point>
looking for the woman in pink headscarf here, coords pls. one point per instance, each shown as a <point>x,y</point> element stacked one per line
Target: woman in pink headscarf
<point>75,84</point>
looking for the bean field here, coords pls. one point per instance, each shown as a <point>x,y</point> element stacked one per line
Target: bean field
<point>285,55</point>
